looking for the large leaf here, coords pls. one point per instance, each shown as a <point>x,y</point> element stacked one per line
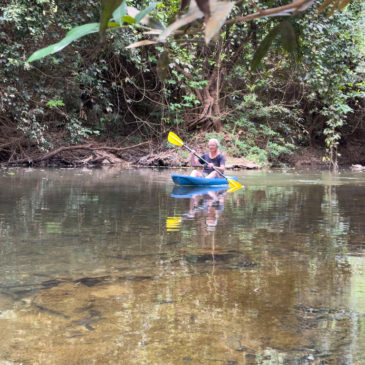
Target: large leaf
<point>144,12</point>
<point>193,14</point>
<point>71,36</point>
<point>81,31</point>
<point>107,10</point>
<point>119,12</point>
<point>145,42</point>
<point>288,37</point>
<point>264,47</point>
<point>220,12</point>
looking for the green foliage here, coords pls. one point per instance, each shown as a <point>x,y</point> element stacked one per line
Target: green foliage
<point>116,91</point>
<point>77,131</point>
<point>71,36</point>
<point>54,103</point>
<point>255,133</point>
<point>331,54</point>
<point>288,38</point>
<point>110,10</point>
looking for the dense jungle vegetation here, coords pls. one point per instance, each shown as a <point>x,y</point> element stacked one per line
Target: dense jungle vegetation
<point>267,87</point>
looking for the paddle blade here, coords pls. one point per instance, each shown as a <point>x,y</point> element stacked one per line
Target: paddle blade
<point>174,139</point>
<point>173,224</point>
<point>231,190</point>
<point>233,184</point>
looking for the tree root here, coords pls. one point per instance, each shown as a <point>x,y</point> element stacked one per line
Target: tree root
<point>94,155</point>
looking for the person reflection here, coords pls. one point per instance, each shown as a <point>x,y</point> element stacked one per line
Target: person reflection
<point>210,205</point>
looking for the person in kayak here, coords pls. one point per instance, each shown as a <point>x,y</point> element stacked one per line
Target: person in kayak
<point>214,157</point>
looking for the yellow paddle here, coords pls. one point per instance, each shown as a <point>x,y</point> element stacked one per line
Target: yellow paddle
<point>174,139</point>
<point>173,224</point>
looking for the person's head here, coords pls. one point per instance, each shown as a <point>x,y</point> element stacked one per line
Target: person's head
<point>213,145</point>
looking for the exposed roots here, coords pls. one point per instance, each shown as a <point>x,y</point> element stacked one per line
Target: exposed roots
<point>79,155</point>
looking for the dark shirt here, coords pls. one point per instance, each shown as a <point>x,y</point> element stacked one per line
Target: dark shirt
<point>218,161</point>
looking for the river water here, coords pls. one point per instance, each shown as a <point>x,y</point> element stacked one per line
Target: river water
<point>110,266</point>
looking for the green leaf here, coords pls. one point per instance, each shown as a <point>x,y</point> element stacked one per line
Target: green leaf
<point>37,55</point>
<point>264,47</point>
<point>80,31</point>
<point>288,37</point>
<point>128,19</point>
<point>107,9</point>
<point>113,25</point>
<point>145,12</point>
<point>72,35</point>
<point>119,12</point>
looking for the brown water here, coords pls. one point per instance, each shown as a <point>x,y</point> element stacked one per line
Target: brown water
<point>105,267</point>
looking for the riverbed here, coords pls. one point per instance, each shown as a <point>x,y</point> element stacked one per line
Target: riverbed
<point>111,266</point>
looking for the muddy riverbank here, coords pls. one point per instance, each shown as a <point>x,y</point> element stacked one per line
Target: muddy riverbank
<point>158,154</point>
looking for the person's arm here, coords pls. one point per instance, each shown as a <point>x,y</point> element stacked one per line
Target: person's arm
<point>193,159</point>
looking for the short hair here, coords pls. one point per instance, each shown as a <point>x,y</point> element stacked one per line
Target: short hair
<point>215,141</point>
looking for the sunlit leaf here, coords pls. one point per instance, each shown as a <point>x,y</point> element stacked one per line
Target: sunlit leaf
<point>145,42</point>
<point>306,5</point>
<point>163,65</point>
<point>144,12</point>
<point>264,47</point>
<point>113,25</point>
<point>193,14</point>
<point>153,32</point>
<point>107,9</point>
<point>220,12</point>
<point>119,12</point>
<point>71,36</point>
<point>128,19</point>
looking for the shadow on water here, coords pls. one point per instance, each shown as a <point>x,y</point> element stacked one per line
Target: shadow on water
<point>89,273</point>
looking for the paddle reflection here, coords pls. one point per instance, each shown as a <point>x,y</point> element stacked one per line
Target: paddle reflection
<point>204,201</point>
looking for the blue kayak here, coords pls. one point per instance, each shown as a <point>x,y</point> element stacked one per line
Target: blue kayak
<point>200,181</point>
<point>189,191</point>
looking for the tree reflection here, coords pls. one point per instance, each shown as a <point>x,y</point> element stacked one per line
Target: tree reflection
<point>262,275</point>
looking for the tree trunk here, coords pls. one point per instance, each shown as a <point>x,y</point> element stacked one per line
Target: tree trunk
<point>210,114</point>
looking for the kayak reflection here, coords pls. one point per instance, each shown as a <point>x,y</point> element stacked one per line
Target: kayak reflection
<point>206,201</point>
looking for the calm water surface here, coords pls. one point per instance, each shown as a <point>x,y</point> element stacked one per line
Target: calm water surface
<point>119,267</point>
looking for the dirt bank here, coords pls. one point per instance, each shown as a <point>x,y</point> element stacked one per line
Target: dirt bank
<point>152,154</point>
